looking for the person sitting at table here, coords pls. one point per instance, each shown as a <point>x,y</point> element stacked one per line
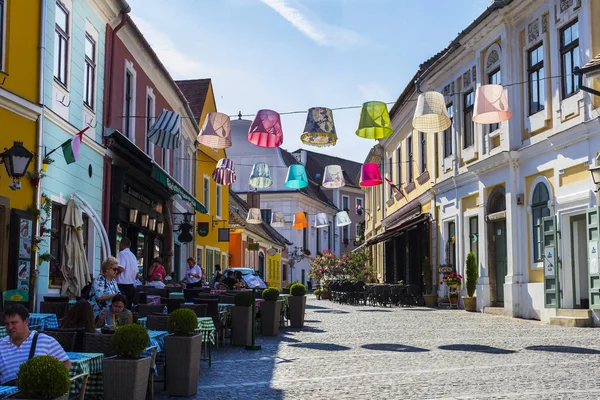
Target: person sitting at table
<point>230,281</point>
<point>21,344</point>
<point>156,282</point>
<point>81,315</point>
<point>156,268</point>
<point>105,287</point>
<point>193,277</point>
<point>116,314</point>
<point>241,283</point>
<point>218,281</point>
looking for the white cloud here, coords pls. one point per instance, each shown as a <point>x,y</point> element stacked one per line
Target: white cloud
<point>310,25</point>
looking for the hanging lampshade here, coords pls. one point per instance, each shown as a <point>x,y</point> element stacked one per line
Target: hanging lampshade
<point>491,105</point>
<point>333,177</point>
<point>300,221</point>
<point>319,129</point>
<point>260,177</point>
<point>296,177</point>
<point>374,121</point>
<point>254,216</point>
<point>224,173</point>
<point>216,131</point>
<point>342,219</point>
<point>370,175</point>
<point>266,130</point>
<point>321,221</point>
<point>431,114</point>
<point>277,219</point>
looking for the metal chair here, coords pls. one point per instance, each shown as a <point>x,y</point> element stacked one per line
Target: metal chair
<point>199,309</point>
<point>157,322</point>
<point>98,343</point>
<point>53,307</point>
<point>148,309</point>
<point>64,338</point>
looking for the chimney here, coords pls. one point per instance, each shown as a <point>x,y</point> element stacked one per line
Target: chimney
<point>303,157</point>
<point>253,199</point>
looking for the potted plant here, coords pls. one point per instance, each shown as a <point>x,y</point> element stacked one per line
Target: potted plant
<point>182,352</point>
<point>453,296</point>
<point>325,293</point>
<point>270,311</point>
<point>242,319</point>
<point>317,294</point>
<point>45,162</point>
<point>469,301</point>
<point>56,275</point>
<point>297,305</point>
<point>453,281</point>
<point>43,377</point>
<point>126,374</point>
<point>429,297</point>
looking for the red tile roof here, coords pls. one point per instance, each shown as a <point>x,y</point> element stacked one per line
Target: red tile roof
<point>594,62</point>
<point>195,91</point>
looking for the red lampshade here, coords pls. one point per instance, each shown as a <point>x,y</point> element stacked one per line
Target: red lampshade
<point>265,130</point>
<point>370,175</point>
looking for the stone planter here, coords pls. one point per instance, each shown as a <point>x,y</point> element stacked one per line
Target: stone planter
<point>126,378</point>
<point>63,397</point>
<point>183,364</point>
<point>470,303</point>
<point>270,312</point>
<point>241,326</point>
<point>297,307</point>
<point>430,300</point>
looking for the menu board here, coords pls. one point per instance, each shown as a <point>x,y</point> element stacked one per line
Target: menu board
<point>20,251</point>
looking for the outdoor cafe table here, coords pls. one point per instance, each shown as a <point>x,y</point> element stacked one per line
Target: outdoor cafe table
<point>6,391</point>
<point>43,320</point>
<point>206,326</point>
<point>88,363</point>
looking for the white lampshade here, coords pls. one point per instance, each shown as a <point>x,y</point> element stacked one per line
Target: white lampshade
<point>431,114</point>
<point>321,220</point>
<point>342,219</point>
<point>254,216</point>
<point>145,218</point>
<point>491,105</point>
<point>159,227</point>
<point>277,219</point>
<point>151,223</point>
<point>333,177</point>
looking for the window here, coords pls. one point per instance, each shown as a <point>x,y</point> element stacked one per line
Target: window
<point>451,243</point>
<point>2,25</point>
<point>569,54</point>
<point>474,237</point>
<point>345,203</point>
<point>305,234</point>
<point>423,142</point>
<point>61,43</point>
<point>199,258</point>
<point>89,77</point>
<point>389,176</point>
<point>535,72</point>
<point>56,238</point>
<point>318,240</point>
<point>284,272</point>
<point>219,200</point>
<point>494,78</point>
<point>409,155</point>
<point>359,204</point>
<point>206,192</point>
<point>265,214</point>
<point>539,210</point>
<point>448,132</point>
<point>399,166</point>
<point>127,129</point>
<point>150,114</point>
<point>346,234</point>
<point>329,237</point>
<point>468,124</point>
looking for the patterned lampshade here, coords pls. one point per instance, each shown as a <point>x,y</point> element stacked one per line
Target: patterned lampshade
<point>254,216</point>
<point>319,129</point>
<point>333,177</point>
<point>224,173</point>
<point>491,105</point>
<point>321,221</point>
<point>266,130</point>
<point>216,131</point>
<point>374,121</point>
<point>370,175</point>
<point>300,221</point>
<point>296,177</point>
<point>277,219</point>
<point>431,114</point>
<point>260,177</point>
<point>342,219</point>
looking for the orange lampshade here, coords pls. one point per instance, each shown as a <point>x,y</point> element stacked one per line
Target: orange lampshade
<point>300,221</point>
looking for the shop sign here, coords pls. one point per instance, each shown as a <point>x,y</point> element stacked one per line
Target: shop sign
<point>137,195</point>
<point>202,228</point>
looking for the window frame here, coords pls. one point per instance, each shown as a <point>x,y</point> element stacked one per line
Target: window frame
<point>451,229</point>
<point>89,74</point>
<point>128,95</point>
<point>571,48</point>
<point>494,77</point>
<point>61,38</point>
<point>468,124</point>
<point>206,192</point>
<point>356,201</point>
<point>219,200</point>
<point>56,235</point>
<point>423,152</point>
<point>345,203</point>
<point>474,229</point>
<point>409,156</point>
<point>150,119</point>
<point>542,208</point>
<point>389,174</point>
<point>448,151</point>
<point>399,165</point>
<point>539,70</point>
<point>305,233</point>
<point>3,20</point>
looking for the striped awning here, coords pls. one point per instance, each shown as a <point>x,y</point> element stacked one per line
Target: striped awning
<point>166,131</point>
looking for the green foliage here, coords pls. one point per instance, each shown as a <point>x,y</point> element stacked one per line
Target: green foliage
<point>270,294</point>
<point>317,292</point>
<point>130,340</point>
<point>471,274</point>
<point>43,377</point>
<point>289,285</point>
<point>298,289</point>
<point>182,322</point>
<point>427,275</point>
<point>243,299</point>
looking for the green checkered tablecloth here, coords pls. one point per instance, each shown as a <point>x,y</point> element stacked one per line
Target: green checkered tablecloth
<point>43,320</point>
<point>88,363</point>
<point>206,326</point>
<point>3,332</point>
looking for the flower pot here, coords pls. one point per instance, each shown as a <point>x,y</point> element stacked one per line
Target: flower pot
<point>454,300</point>
<point>430,300</point>
<point>297,306</point>
<point>35,181</point>
<point>470,303</point>
<point>126,378</point>
<point>325,295</point>
<point>270,312</point>
<point>44,167</point>
<point>182,355</point>
<point>241,326</point>
<point>57,281</point>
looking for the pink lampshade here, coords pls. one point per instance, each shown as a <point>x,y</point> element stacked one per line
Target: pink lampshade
<point>491,105</point>
<point>265,130</point>
<point>370,175</point>
<point>216,131</point>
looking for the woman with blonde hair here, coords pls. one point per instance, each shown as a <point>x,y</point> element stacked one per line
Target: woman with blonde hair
<point>105,287</point>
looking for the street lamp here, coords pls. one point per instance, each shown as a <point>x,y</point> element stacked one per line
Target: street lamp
<point>16,160</point>
<point>595,172</point>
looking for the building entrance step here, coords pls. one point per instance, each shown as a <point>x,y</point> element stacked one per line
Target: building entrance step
<point>573,322</point>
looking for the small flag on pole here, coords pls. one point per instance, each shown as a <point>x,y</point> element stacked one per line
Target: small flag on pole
<point>71,148</point>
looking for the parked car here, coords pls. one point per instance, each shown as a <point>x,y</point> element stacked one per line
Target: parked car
<point>243,270</point>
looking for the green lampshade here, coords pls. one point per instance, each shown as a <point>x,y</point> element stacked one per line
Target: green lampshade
<point>374,121</point>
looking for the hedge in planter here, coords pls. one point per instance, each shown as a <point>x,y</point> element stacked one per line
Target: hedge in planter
<point>270,311</point>
<point>297,305</point>
<point>43,377</point>
<point>126,376</point>
<point>469,301</point>
<point>182,351</point>
<point>242,319</point>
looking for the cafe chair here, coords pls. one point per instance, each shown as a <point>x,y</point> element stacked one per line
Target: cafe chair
<point>64,338</point>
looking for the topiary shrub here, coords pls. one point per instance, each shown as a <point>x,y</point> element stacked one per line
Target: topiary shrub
<point>130,340</point>
<point>182,322</point>
<point>43,377</point>
<point>243,299</point>
<point>298,289</point>
<point>471,274</point>
<point>270,294</point>
<point>317,292</point>
<point>289,285</point>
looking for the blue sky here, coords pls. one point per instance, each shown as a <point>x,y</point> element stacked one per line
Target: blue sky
<point>290,55</point>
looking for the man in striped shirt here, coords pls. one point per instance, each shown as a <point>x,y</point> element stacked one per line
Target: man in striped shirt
<point>15,348</point>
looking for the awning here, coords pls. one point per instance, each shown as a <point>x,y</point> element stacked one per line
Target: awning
<point>159,175</point>
<point>166,131</point>
<point>397,229</point>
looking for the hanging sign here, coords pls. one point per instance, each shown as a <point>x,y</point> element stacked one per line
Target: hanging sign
<point>253,246</point>
<point>549,259</point>
<point>202,228</point>
<point>593,257</point>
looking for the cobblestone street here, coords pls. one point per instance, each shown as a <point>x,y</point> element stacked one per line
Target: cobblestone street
<point>358,352</point>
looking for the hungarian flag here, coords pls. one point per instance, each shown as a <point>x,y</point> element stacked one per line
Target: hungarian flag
<point>71,148</point>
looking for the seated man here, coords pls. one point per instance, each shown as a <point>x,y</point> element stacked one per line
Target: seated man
<point>230,281</point>
<point>21,344</point>
<point>157,283</point>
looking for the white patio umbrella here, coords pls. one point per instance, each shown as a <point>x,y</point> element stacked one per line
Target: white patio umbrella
<point>74,262</point>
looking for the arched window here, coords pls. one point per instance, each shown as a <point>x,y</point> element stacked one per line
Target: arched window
<point>539,210</point>
<point>493,76</point>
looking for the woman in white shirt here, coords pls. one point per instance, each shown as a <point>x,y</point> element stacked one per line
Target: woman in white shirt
<point>193,277</point>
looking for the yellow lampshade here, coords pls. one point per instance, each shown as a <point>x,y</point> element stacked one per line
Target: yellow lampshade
<point>431,114</point>
<point>374,121</point>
